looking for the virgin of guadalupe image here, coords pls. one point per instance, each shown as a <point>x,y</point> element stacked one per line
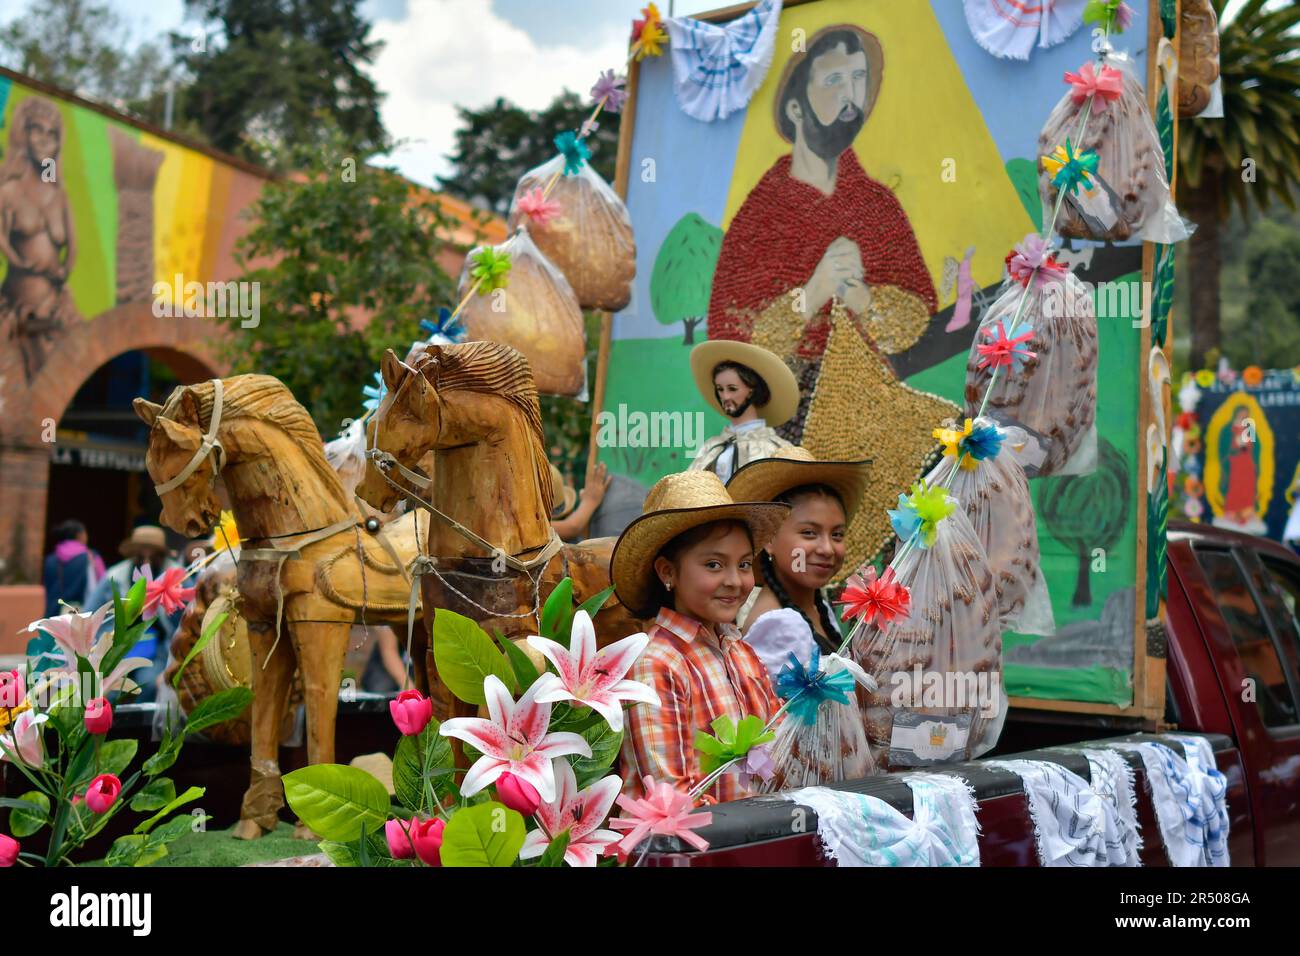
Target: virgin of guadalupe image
<point>821,266</point>
<point>1239,453</point>
<point>36,235</point>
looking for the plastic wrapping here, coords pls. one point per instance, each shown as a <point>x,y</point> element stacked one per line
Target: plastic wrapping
<point>939,670</point>
<point>1054,396</point>
<point>536,313</point>
<point>1130,195</point>
<point>834,747</point>
<point>995,495</point>
<point>590,240</point>
<point>1198,56</point>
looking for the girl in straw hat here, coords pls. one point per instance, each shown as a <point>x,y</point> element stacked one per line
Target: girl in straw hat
<point>688,563</point>
<point>791,612</point>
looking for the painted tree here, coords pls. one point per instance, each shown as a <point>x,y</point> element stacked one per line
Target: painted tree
<point>1087,513</point>
<point>683,274</point>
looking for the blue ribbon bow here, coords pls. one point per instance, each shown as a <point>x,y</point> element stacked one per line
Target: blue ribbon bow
<point>808,688</point>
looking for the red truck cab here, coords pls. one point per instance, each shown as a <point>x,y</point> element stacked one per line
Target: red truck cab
<point>1233,653</point>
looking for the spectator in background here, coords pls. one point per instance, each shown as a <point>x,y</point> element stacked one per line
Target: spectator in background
<point>385,671</point>
<point>72,570</point>
<point>570,522</point>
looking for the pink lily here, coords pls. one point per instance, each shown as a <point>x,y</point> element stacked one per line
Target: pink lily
<point>593,678</point>
<point>25,741</point>
<point>74,633</point>
<point>578,812</point>
<point>165,592</point>
<point>663,811</point>
<point>538,208</point>
<point>514,740</point>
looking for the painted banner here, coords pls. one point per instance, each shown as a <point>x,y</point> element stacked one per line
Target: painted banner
<point>936,181</point>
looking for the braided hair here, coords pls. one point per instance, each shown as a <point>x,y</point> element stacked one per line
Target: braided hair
<point>767,566</point>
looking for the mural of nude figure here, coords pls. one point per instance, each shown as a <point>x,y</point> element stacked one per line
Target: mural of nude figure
<point>36,235</point>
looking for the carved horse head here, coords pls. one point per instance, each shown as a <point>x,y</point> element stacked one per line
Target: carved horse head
<point>177,443</point>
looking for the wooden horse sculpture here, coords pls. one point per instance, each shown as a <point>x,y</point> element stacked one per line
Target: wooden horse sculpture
<point>307,564</point>
<point>495,555</point>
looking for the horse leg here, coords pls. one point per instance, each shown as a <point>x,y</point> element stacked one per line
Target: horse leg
<point>260,811</point>
<point>321,647</point>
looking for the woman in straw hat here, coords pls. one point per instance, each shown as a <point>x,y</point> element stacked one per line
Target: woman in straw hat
<point>688,562</point>
<point>752,387</point>
<point>791,612</point>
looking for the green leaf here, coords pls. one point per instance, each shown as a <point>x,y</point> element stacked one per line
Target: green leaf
<point>335,801</point>
<point>164,758</point>
<point>557,613</point>
<point>155,795</point>
<point>125,851</point>
<point>217,709</point>
<point>202,642</point>
<point>175,828</point>
<point>605,743</point>
<point>427,755</point>
<point>193,793</point>
<point>465,655</point>
<point>489,834</point>
<point>26,820</point>
<point>524,670</point>
<point>134,602</point>
<point>594,603</point>
<point>116,755</point>
<point>554,855</point>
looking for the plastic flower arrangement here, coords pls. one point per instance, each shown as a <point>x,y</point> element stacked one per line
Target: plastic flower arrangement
<point>54,726</point>
<point>538,791</point>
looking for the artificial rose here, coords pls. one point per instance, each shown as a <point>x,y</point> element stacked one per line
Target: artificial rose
<point>411,712</point>
<point>518,794</point>
<point>102,792</point>
<point>399,847</point>
<point>427,837</point>
<point>99,716</point>
<point>8,850</point>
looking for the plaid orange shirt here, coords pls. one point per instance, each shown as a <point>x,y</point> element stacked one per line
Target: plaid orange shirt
<point>698,680</point>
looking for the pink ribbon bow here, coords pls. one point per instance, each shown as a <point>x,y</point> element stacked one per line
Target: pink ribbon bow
<point>663,811</point>
<point>1106,87</point>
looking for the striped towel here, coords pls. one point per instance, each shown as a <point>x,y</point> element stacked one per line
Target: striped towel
<point>1008,28</point>
<point>1074,823</point>
<point>717,68</point>
<point>860,830</point>
<point>1190,800</point>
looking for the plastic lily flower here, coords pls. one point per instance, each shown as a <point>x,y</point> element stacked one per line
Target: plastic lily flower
<point>1003,350</point>
<point>593,678</point>
<point>574,151</point>
<point>491,269</point>
<point>1070,170</point>
<point>581,813</point>
<point>1105,87</point>
<point>871,598</point>
<point>514,739</point>
<point>1032,258</point>
<point>166,592</point>
<point>663,811</point>
<point>538,208</point>
<point>74,633</point>
<point>25,741</point>
<point>609,92</point>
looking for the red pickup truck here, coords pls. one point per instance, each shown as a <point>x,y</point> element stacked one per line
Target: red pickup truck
<point>1233,646</point>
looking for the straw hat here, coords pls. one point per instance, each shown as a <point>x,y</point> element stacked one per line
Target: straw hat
<point>678,503</point>
<point>766,478</point>
<point>145,536</point>
<point>780,380</point>
<point>563,490</point>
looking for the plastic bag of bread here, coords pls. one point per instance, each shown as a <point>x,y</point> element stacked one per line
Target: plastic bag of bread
<point>822,737</point>
<point>536,313</point>
<point>589,239</point>
<point>1052,391</point>
<point>992,488</point>
<point>1127,195</point>
<point>938,664</point>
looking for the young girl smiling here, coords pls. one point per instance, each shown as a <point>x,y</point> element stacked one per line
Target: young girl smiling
<point>688,562</point>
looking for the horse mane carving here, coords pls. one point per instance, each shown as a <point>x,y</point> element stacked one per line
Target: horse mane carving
<point>264,399</point>
<point>492,368</point>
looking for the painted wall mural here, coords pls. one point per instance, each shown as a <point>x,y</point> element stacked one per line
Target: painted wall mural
<point>902,204</point>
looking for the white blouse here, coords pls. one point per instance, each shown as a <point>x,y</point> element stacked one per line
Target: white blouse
<point>777,634</point>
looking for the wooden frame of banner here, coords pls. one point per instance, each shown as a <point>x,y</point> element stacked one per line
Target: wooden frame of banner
<point>1148,703</point>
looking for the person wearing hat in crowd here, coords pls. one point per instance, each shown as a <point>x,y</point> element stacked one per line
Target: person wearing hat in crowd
<point>572,510</point>
<point>147,545</point>
<point>687,562</point>
<point>790,611</point>
<point>753,388</point>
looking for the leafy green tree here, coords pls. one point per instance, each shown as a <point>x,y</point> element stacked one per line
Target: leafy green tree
<point>683,273</point>
<point>279,66</point>
<point>496,145</point>
<point>1248,156</point>
<point>339,242</point>
<point>1270,336</point>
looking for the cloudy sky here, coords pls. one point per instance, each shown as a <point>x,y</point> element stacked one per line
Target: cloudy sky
<point>440,54</point>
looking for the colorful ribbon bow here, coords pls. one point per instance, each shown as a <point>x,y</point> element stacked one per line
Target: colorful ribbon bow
<point>491,269</point>
<point>1106,86</point>
<point>446,331</point>
<point>574,151</point>
<point>1008,351</point>
<point>729,741</point>
<point>983,442</point>
<point>538,208</point>
<point>663,811</point>
<point>648,34</point>
<point>869,597</point>
<point>1069,169</point>
<point>1033,258</point>
<point>807,688</point>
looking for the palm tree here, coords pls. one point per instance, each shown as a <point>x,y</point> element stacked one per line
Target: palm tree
<point>1249,156</point>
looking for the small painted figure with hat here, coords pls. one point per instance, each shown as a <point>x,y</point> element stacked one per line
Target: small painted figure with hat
<point>753,388</point>
<point>688,563</point>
